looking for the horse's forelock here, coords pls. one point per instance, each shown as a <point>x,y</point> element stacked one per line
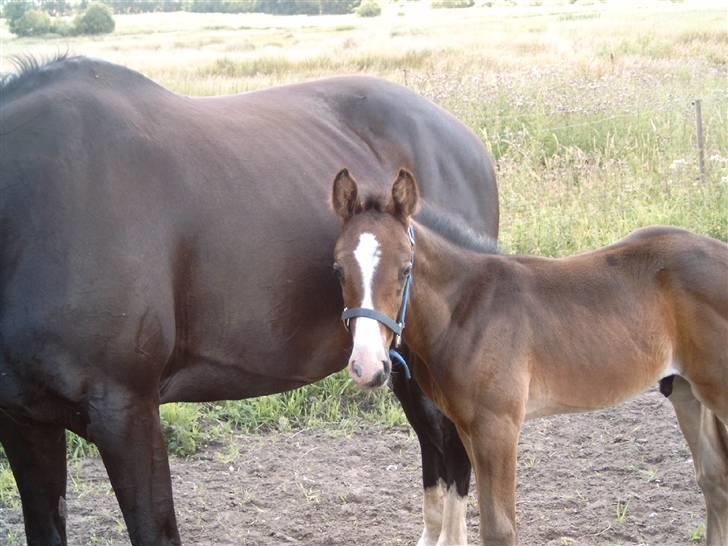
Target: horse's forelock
<point>375,202</point>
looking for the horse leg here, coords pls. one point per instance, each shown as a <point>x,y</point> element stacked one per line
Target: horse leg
<point>457,469</point>
<point>492,445</point>
<point>127,431</point>
<point>426,420</point>
<point>707,437</point>
<point>37,456</point>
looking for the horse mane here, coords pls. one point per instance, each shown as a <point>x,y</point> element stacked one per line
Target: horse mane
<point>449,226</point>
<point>27,67</point>
<point>456,230</point>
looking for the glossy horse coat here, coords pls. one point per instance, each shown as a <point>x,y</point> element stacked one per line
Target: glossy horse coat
<point>502,339</point>
<point>158,248</point>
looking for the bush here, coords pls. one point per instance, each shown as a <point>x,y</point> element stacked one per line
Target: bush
<point>338,6</point>
<point>369,8</point>
<point>31,23</point>
<point>62,27</point>
<point>96,19</point>
<point>452,3</point>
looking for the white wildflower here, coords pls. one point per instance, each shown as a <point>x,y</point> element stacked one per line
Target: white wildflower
<point>678,164</point>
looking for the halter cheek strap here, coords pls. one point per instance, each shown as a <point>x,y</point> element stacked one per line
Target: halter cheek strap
<point>395,326</point>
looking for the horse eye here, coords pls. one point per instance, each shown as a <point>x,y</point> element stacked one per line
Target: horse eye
<point>339,272</point>
<point>406,271</point>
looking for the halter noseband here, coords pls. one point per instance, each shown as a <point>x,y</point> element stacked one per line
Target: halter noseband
<point>395,326</point>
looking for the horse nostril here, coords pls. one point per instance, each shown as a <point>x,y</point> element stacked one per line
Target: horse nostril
<point>356,369</point>
<point>387,365</point>
<point>379,379</point>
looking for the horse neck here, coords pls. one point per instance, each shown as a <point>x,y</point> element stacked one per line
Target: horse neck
<point>441,277</point>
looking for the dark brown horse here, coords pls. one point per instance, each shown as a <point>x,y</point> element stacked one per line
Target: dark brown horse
<point>501,339</point>
<point>158,248</point>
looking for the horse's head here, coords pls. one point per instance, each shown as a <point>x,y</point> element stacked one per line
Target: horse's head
<point>373,260</point>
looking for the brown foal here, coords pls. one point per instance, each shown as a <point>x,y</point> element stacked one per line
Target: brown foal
<point>502,339</point>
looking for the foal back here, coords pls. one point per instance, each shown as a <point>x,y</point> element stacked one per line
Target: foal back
<point>605,325</point>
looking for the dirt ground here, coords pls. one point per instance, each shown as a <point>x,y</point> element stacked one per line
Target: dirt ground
<point>622,476</point>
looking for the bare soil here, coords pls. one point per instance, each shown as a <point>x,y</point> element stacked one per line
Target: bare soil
<point>622,476</point>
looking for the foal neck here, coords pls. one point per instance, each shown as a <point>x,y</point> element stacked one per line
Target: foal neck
<point>445,278</point>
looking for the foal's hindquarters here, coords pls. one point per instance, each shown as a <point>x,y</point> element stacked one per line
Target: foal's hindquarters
<point>592,331</point>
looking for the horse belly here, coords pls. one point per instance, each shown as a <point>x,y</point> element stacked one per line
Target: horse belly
<point>575,389</point>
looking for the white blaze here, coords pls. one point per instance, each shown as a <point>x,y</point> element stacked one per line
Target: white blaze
<point>367,334</point>
<point>367,256</point>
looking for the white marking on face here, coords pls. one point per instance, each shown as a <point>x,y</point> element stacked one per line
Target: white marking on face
<point>367,255</point>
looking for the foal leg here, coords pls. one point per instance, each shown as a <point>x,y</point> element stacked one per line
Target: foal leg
<point>707,437</point>
<point>127,431</point>
<point>492,445</point>
<point>445,467</point>
<point>37,456</point>
<point>424,422</point>
<point>457,469</point>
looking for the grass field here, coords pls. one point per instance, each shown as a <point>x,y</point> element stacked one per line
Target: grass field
<point>587,108</point>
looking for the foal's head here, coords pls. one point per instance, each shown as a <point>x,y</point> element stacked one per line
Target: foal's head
<point>373,261</point>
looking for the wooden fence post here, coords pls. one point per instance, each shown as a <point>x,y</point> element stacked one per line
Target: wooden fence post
<point>699,129</point>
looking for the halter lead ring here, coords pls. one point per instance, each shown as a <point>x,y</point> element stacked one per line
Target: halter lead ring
<point>397,327</point>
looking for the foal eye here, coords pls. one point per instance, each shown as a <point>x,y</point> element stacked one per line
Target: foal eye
<point>339,272</point>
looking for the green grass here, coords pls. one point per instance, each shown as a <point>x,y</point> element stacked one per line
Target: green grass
<point>8,492</point>
<point>698,534</point>
<point>620,511</point>
<point>332,403</point>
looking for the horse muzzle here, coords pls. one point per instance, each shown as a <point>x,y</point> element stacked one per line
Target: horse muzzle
<point>368,369</point>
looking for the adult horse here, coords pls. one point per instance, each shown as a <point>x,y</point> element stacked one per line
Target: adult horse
<point>158,248</point>
<point>502,339</point>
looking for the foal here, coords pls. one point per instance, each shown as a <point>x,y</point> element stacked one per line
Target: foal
<point>501,339</point>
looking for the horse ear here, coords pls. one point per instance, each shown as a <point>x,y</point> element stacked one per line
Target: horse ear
<point>345,195</point>
<point>405,195</point>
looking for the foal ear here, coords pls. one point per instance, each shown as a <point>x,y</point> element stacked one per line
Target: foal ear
<point>405,195</point>
<point>345,195</point>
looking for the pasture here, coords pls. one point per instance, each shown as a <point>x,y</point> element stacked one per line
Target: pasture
<point>587,109</point>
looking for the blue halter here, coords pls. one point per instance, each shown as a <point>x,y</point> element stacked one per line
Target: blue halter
<point>395,326</point>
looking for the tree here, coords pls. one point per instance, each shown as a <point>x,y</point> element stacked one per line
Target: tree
<point>15,9</point>
<point>54,7</point>
<point>97,19</point>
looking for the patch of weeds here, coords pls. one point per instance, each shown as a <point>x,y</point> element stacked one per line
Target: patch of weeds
<point>650,474</point>
<point>9,496</point>
<point>14,539</point>
<point>698,534</point>
<point>180,424</point>
<point>621,510</point>
<point>77,447</point>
